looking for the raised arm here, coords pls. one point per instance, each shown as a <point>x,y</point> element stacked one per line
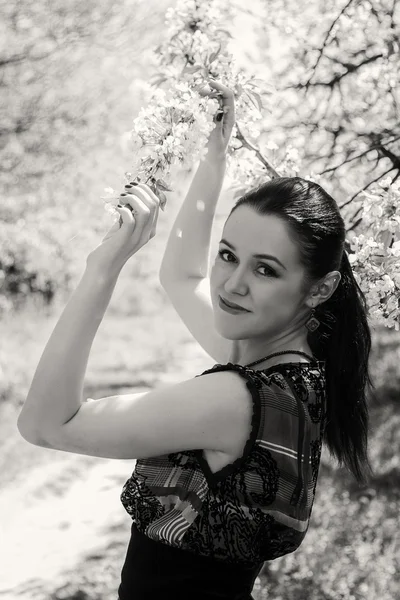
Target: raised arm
<point>187,251</point>
<point>184,268</point>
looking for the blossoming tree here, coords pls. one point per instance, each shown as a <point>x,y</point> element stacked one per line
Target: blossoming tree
<point>172,131</point>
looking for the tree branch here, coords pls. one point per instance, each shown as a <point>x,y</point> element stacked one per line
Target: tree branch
<point>321,50</point>
<point>350,68</point>
<point>366,186</point>
<point>375,147</point>
<point>12,59</point>
<point>391,156</point>
<point>246,144</point>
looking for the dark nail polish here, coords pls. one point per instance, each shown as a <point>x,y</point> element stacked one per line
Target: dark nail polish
<point>123,194</point>
<point>128,186</point>
<point>219,116</point>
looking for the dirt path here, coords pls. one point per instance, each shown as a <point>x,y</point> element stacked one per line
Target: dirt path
<point>57,508</point>
<point>55,514</point>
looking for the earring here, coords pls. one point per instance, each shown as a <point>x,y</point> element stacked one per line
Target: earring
<point>312,323</point>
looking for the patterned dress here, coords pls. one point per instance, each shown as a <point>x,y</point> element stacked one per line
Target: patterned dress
<point>212,532</point>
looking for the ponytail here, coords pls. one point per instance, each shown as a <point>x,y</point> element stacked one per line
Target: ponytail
<point>343,340</point>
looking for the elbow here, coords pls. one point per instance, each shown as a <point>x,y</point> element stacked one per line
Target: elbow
<point>29,433</point>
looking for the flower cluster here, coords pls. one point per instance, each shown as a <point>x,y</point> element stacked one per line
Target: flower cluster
<point>376,258</point>
<point>174,127</point>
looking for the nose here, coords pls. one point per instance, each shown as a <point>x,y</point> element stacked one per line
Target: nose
<point>236,283</point>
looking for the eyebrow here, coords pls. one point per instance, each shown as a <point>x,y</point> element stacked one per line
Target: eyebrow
<point>256,255</point>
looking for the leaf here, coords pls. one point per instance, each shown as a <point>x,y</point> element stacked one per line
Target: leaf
<point>254,100</point>
<point>162,185</point>
<point>157,79</point>
<point>265,86</point>
<point>214,54</point>
<point>228,33</point>
<point>162,197</point>
<point>385,237</point>
<point>258,100</point>
<point>191,68</point>
<point>258,81</point>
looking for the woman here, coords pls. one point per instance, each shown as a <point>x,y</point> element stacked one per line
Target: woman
<point>227,461</point>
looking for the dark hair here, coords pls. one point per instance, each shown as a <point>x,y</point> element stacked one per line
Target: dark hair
<point>343,339</point>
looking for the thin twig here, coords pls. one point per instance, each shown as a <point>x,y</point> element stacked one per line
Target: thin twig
<point>366,186</point>
<point>246,144</point>
<point>357,156</point>
<point>350,68</point>
<point>321,50</point>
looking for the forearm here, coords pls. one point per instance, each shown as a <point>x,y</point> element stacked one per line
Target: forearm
<point>56,391</point>
<point>187,250</point>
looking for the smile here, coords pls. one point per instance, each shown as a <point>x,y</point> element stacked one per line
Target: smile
<point>229,309</point>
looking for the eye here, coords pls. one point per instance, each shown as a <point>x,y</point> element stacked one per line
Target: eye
<point>270,271</point>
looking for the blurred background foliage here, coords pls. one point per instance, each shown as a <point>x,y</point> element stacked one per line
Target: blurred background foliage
<point>73,76</point>
<point>67,75</point>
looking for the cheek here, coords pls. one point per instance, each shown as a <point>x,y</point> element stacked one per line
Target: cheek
<point>277,298</point>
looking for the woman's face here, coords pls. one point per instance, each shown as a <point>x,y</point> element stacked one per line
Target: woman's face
<point>269,290</point>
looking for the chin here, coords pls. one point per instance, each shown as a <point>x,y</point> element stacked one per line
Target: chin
<point>228,333</point>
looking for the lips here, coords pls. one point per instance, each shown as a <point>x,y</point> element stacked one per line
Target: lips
<point>231,305</point>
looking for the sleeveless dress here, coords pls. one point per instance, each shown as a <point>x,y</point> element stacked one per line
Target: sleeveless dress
<point>200,535</point>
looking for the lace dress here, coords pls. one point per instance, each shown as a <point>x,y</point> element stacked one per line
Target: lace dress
<point>198,534</point>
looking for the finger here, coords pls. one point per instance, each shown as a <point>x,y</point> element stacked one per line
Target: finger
<point>157,204</point>
<point>146,211</point>
<point>228,103</point>
<point>147,190</point>
<point>139,191</point>
<point>226,93</point>
<point>155,221</point>
<point>135,204</point>
<point>203,91</point>
<point>126,216</point>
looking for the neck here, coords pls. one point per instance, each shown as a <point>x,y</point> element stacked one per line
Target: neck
<point>245,355</point>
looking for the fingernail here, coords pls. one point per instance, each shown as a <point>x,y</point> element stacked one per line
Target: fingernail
<point>219,116</point>
<point>128,186</point>
<point>123,194</point>
<point>119,206</point>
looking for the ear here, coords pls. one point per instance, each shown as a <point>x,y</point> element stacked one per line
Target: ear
<point>328,286</point>
<point>336,276</point>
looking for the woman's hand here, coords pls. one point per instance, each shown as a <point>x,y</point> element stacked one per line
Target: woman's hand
<point>219,138</point>
<point>136,226</point>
